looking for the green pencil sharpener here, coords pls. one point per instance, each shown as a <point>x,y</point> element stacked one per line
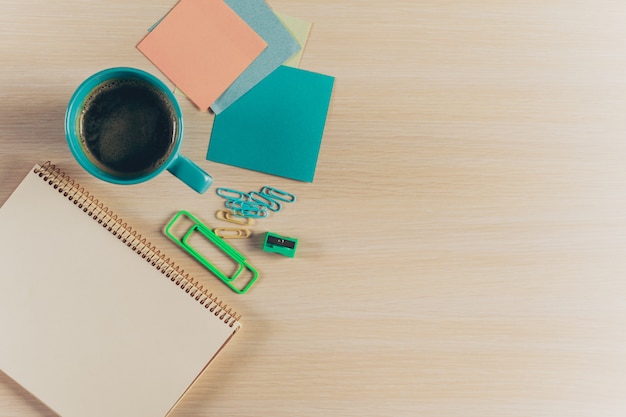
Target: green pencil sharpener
<point>285,246</point>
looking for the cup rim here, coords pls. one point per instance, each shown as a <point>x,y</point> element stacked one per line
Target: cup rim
<point>73,110</point>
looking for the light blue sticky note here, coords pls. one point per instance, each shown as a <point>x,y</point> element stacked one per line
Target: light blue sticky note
<point>281,45</point>
<point>300,30</point>
<point>277,127</point>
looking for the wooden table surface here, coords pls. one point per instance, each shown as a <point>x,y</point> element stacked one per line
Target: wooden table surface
<point>462,248</point>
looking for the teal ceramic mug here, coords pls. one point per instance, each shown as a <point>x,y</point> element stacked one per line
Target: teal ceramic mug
<point>124,126</point>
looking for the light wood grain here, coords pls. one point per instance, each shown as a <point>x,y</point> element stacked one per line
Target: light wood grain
<point>462,245</point>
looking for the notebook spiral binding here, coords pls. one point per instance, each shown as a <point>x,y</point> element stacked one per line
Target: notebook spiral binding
<point>125,233</point>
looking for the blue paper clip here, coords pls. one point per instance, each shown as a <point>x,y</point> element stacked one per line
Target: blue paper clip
<point>265,200</point>
<point>241,205</point>
<point>251,213</point>
<point>231,194</point>
<point>247,209</point>
<point>277,194</point>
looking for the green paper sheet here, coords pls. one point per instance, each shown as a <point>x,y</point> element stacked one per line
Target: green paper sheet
<point>277,127</point>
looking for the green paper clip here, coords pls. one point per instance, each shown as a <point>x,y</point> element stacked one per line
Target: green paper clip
<point>198,228</point>
<point>279,244</point>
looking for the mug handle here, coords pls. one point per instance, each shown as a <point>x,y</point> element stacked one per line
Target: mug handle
<point>191,174</point>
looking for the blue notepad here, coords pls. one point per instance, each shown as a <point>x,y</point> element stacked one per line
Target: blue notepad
<point>281,46</point>
<point>277,127</point>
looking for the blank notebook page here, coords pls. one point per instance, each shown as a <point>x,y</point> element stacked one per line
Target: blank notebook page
<point>88,326</point>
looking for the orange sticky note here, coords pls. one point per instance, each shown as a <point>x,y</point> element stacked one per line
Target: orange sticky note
<point>202,46</point>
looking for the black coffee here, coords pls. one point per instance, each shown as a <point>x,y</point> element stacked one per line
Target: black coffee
<point>127,127</point>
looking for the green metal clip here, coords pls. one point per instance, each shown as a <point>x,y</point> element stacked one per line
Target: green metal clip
<point>199,228</point>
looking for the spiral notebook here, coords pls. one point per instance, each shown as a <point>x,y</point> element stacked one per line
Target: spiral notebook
<point>94,320</point>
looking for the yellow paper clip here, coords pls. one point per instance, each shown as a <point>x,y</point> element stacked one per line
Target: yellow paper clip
<point>229,216</point>
<point>232,233</point>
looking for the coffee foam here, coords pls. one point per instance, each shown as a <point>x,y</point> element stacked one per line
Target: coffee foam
<point>128,127</point>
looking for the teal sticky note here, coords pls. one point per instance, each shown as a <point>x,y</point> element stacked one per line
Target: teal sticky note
<point>277,127</point>
<point>281,46</point>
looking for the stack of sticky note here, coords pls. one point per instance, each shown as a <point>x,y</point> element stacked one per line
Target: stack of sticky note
<point>240,59</point>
